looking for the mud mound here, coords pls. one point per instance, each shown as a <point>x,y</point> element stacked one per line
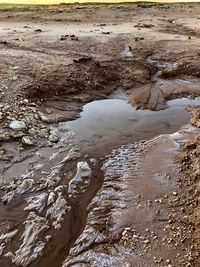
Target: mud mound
<point>183,68</point>
<point>181,29</point>
<point>195,120</point>
<point>88,77</point>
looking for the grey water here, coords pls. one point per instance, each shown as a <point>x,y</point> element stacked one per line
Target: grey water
<point>106,123</point>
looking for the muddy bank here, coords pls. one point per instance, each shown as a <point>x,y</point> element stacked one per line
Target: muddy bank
<point>131,217</point>
<point>187,205</point>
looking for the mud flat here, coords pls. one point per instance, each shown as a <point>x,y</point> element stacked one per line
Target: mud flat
<point>98,160</point>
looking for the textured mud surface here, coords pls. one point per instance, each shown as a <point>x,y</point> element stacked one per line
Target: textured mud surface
<point>130,216</point>
<point>114,187</point>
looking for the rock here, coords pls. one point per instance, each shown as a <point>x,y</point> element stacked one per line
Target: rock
<point>93,161</point>
<point>16,134</point>
<point>53,138</point>
<point>43,133</point>
<point>26,140</point>
<point>14,78</point>
<point>63,37</point>
<point>6,108</point>
<point>18,125</point>
<point>25,101</point>
<point>38,30</point>
<point>48,111</point>
<point>32,131</point>
<point>43,117</point>
<point>48,238</point>
<point>81,180</point>
<point>146,241</point>
<point>105,32</point>
<point>82,59</point>
<point>4,42</point>
<point>74,37</point>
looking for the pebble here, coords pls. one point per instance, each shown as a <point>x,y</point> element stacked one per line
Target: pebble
<point>93,161</point>
<point>18,125</point>
<point>14,78</point>
<point>6,108</point>
<point>53,138</point>
<point>26,140</point>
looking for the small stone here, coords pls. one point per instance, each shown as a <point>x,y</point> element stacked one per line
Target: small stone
<point>26,140</point>
<point>25,101</point>
<point>93,161</point>
<point>15,68</point>
<point>48,238</point>
<point>48,111</point>
<point>53,138</point>
<point>18,125</point>
<point>38,30</point>
<point>6,108</point>
<point>14,78</point>
<point>17,134</point>
<point>43,133</point>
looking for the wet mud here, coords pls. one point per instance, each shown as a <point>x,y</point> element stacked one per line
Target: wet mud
<point>128,215</point>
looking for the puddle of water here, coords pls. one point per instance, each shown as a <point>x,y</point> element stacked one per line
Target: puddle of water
<point>184,102</point>
<point>105,123</point>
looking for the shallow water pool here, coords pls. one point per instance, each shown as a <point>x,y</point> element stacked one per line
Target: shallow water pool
<point>105,123</point>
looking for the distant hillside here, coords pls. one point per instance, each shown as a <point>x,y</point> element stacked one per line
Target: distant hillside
<point>49,2</point>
